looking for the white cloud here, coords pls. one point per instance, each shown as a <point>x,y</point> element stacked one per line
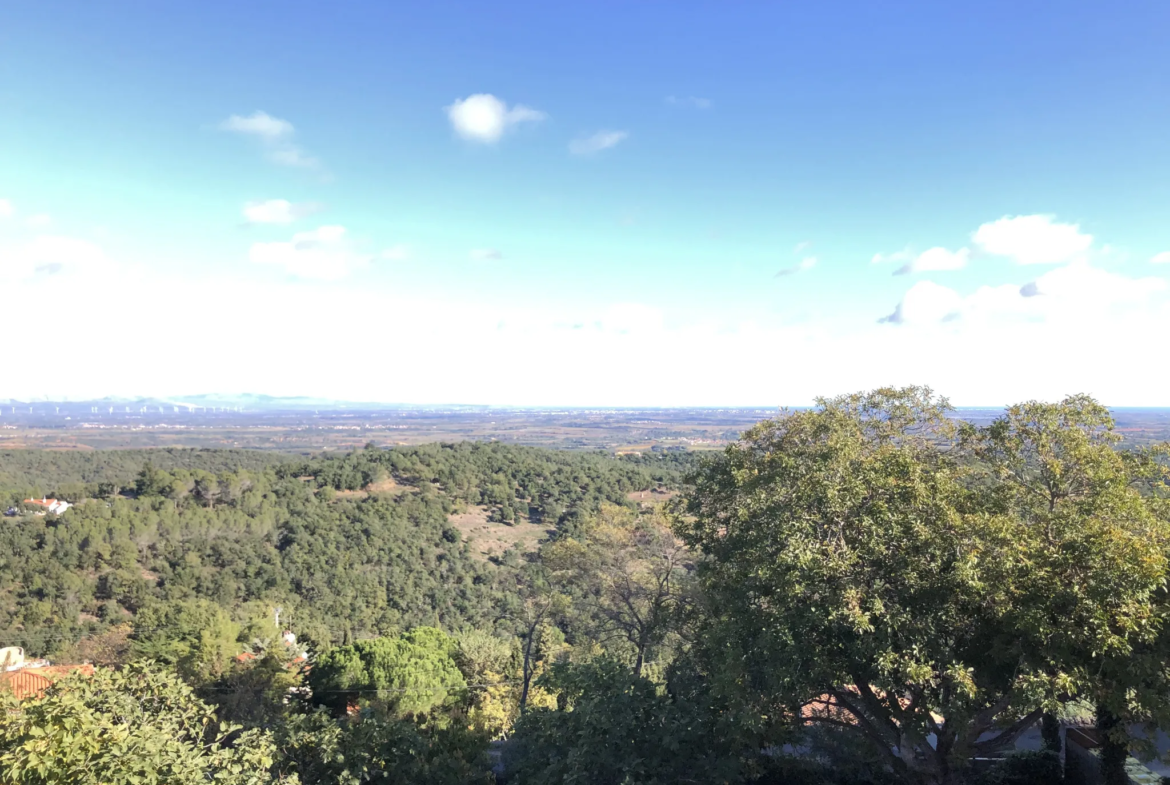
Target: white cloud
<point>277,211</point>
<point>925,303</point>
<point>323,254</point>
<point>602,140</point>
<point>485,254</point>
<point>259,124</point>
<point>896,256</point>
<point>936,259</point>
<point>689,101</point>
<point>48,255</point>
<point>802,245</point>
<point>5,208</point>
<point>1033,239</point>
<point>624,318</point>
<point>484,118</point>
<point>1076,293</point>
<point>396,253</point>
<point>1079,287</point>
<point>39,221</point>
<point>275,136</point>
<point>807,263</point>
<point>1162,258</point>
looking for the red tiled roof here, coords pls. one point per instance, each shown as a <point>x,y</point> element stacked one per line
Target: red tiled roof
<point>244,656</point>
<point>30,682</point>
<point>40,502</point>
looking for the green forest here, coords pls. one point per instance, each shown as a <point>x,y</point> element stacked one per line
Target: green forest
<point>867,591</point>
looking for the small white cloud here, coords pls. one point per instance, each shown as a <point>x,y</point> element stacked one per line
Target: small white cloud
<point>802,245</point>
<point>689,101</point>
<point>807,263</point>
<point>274,134</point>
<point>935,260</point>
<point>396,253</point>
<point>5,208</point>
<point>39,221</point>
<point>485,254</point>
<point>1162,258</point>
<point>322,254</point>
<point>1033,239</point>
<point>258,124</point>
<point>602,140</point>
<point>277,211</point>
<point>484,118</point>
<point>897,256</point>
<point>925,303</point>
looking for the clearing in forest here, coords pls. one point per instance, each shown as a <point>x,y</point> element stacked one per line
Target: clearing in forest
<point>488,538</point>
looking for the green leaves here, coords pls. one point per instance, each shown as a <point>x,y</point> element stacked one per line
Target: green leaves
<point>412,674</point>
<point>930,582</point>
<point>139,726</point>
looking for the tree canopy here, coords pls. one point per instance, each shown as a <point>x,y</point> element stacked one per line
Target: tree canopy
<point>871,571</point>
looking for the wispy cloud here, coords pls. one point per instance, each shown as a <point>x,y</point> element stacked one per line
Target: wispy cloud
<point>47,255</point>
<point>278,211</point>
<point>323,254</point>
<point>689,101</point>
<point>275,136</point>
<point>485,254</point>
<point>897,256</point>
<point>595,143</point>
<point>1162,258</point>
<point>807,263</point>
<point>39,221</point>
<point>935,260</point>
<point>258,124</point>
<point>5,208</point>
<point>484,118</point>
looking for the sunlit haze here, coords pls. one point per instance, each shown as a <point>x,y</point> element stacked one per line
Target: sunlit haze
<point>604,204</point>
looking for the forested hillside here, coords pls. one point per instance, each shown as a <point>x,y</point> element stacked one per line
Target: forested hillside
<point>862,593</point>
<point>225,527</point>
<point>75,474</point>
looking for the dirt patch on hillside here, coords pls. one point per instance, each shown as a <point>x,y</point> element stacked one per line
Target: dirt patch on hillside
<point>652,496</point>
<point>492,539</point>
<point>387,485</point>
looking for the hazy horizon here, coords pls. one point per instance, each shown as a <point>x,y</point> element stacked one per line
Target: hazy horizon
<point>227,398</point>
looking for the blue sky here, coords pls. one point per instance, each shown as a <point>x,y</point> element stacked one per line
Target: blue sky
<point>591,204</point>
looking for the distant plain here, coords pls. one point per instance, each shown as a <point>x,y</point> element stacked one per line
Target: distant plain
<point>302,430</point>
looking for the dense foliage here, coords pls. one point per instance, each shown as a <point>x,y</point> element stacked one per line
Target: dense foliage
<point>341,568</point>
<point>933,595</point>
<point>75,475</point>
<point>129,727</point>
<point>862,592</point>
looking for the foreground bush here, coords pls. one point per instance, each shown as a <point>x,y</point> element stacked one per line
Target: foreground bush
<point>137,726</point>
<point>320,749</point>
<point>616,727</point>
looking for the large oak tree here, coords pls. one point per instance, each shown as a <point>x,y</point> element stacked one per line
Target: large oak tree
<point>869,569</point>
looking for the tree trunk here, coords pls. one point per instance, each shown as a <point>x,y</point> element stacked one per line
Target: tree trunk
<point>527,669</point>
<point>1050,732</point>
<point>1114,747</point>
